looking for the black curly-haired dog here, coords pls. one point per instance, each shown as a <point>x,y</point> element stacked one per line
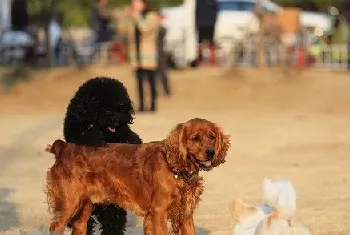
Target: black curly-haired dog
<point>99,113</point>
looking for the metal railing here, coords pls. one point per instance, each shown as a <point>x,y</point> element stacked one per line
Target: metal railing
<point>66,54</point>
<point>229,53</point>
<point>332,57</point>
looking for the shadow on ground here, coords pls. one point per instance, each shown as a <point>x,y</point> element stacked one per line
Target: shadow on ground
<point>8,214</point>
<point>134,228</point>
<point>139,231</point>
<point>130,231</point>
<point>12,76</point>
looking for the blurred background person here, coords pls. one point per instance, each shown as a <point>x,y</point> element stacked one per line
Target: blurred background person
<point>340,36</point>
<point>345,8</point>
<point>19,15</point>
<point>5,21</point>
<point>100,20</point>
<point>56,36</point>
<point>20,36</point>
<point>142,28</point>
<point>163,62</point>
<point>206,12</point>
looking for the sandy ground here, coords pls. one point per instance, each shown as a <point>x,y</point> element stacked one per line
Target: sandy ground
<point>294,126</point>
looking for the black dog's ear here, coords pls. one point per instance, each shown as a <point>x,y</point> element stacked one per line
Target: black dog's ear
<point>56,148</point>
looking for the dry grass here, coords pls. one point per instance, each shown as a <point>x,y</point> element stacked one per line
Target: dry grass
<point>294,126</point>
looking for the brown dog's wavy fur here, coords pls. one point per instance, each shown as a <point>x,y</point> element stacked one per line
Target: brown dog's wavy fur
<point>145,179</point>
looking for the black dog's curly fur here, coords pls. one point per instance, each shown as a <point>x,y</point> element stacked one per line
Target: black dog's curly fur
<point>99,113</point>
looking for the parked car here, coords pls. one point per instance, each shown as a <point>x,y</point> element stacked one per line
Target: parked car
<point>235,20</point>
<point>14,46</point>
<point>234,15</point>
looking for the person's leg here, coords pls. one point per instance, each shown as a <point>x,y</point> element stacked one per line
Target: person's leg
<point>201,39</point>
<point>139,77</point>
<point>211,35</point>
<point>151,77</point>
<point>212,48</point>
<point>163,73</point>
<point>199,48</point>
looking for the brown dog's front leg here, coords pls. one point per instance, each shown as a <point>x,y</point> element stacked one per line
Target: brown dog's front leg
<point>187,227</point>
<point>80,224</point>
<point>147,224</point>
<point>158,220</point>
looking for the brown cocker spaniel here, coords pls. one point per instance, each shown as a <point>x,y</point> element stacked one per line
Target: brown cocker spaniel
<point>158,180</point>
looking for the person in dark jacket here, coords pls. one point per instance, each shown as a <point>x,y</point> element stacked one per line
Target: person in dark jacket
<point>163,62</point>
<point>100,21</point>
<point>205,20</point>
<point>19,15</point>
<point>345,8</point>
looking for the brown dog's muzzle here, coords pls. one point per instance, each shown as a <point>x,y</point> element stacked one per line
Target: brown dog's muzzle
<point>210,154</point>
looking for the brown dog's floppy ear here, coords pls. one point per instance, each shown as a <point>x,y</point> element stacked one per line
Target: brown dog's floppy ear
<point>175,147</point>
<point>222,145</point>
<point>56,148</point>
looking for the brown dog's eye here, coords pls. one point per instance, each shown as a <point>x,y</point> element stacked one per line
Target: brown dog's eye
<point>212,137</point>
<point>196,139</point>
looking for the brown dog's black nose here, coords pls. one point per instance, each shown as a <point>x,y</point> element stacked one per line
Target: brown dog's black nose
<point>210,153</point>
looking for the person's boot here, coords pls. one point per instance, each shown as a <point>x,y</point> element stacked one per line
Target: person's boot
<point>153,105</point>
<point>198,60</point>
<point>212,58</point>
<point>141,107</point>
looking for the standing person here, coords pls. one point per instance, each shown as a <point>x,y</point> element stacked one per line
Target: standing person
<point>56,35</point>
<point>100,20</point>
<point>163,62</point>
<point>5,15</point>
<point>205,20</point>
<point>340,36</point>
<point>142,26</point>
<point>345,7</point>
<point>19,15</point>
<point>19,23</point>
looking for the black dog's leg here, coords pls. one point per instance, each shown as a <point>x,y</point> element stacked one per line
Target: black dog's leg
<point>107,220</point>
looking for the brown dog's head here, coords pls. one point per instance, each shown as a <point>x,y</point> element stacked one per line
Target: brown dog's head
<point>196,145</point>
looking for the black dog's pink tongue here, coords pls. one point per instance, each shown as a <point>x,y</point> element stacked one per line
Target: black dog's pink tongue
<point>111,129</point>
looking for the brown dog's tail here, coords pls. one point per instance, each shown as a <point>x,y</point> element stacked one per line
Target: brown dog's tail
<point>56,147</point>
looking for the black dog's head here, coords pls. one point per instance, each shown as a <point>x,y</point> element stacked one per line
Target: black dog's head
<point>102,103</point>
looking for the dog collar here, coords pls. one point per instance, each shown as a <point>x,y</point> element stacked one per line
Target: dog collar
<point>186,176</point>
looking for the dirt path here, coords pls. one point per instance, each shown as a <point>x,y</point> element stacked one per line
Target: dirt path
<point>296,128</point>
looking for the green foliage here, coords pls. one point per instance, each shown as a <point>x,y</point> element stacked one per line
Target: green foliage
<point>77,12</point>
